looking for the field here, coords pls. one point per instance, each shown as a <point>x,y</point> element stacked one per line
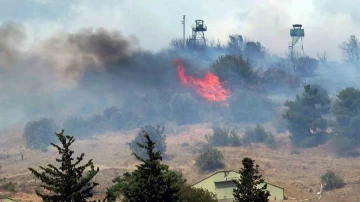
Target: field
<point>298,172</point>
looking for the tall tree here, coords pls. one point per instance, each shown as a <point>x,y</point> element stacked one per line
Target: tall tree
<point>151,181</point>
<point>247,186</point>
<point>66,183</point>
<point>305,117</point>
<point>351,50</point>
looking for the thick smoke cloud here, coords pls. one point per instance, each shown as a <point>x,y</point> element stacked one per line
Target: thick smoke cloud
<point>76,73</point>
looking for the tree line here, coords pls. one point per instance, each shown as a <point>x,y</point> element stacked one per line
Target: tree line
<point>151,180</point>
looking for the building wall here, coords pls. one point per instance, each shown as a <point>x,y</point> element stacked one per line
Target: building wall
<point>222,186</point>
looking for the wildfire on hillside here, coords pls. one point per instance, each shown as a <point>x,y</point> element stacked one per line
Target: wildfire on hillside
<point>208,87</point>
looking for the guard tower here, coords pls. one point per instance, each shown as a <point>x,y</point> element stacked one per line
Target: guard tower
<point>198,30</point>
<point>296,46</point>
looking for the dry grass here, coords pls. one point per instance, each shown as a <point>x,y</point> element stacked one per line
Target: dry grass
<point>296,173</point>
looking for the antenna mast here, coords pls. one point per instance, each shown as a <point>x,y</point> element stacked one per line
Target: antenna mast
<point>183,22</point>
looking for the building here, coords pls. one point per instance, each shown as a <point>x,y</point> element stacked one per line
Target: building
<point>222,185</point>
<point>6,199</point>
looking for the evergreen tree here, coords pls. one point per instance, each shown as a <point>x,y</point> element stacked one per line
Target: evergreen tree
<point>151,181</point>
<point>67,183</point>
<point>305,116</point>
<point>247,187</point>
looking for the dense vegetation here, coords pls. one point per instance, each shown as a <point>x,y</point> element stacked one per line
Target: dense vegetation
<point>305,117</point>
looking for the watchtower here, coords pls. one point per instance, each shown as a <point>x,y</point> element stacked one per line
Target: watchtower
<point>297,34</point>
<point>198,30</point>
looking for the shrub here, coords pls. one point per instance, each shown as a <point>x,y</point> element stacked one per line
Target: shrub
<point>270,141</point>
<point>40,133</point>
<point>185,144</point>
<point>235,70</point>
<point>210,159</point>
<point>331,181</point>
<point>156,134</point>
<point>223,137</point>
<point>306,66</point>
<point>255,135</point>
<point>191,194</point>
<point>9,186</point>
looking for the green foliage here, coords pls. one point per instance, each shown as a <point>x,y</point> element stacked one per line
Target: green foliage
<point>347,112</point>
<point>38,133</point>
<point>156,134</point>
<point>210,159</point>
<point>278,80</point>
<point>305,66</point>
<point>270,141</point>
<point>151,181</point>
<point>305,117</point>
<point>254,51</point>
<point>191,194</point>
<point>9,186</point>
<point>67,182</point>
<point>255,135</point>
<point>223,137</point>
<point>247,185</point>
<point>234,70</point>
<point>331,181</point>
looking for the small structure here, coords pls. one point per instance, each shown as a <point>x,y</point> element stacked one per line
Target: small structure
<point>221,184</point>
<point>7,199</point>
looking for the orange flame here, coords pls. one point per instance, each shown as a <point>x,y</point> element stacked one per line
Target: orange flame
<point>208,87</point>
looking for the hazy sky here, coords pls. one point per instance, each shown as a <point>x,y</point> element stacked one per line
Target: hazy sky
<point>155,22</point>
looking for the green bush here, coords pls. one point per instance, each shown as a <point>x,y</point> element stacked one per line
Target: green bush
<point>223,137</point>
<point>39,133</point>
<point>191,194</point>
<point>235,70</point>
<point>270,141</point>
<point>210,159</point>
<point>331,181</point>
<point>156,134</point>
<point>9,186</point>
<point>255,135</point>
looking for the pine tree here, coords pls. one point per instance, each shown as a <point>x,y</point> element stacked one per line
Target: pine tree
<point>247,187</point>
<point>67,183</point>
<point>151,181</point>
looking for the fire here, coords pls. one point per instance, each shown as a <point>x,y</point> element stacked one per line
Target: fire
<point>208,87</point>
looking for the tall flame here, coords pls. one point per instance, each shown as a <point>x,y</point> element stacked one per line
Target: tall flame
<point>208,87</point>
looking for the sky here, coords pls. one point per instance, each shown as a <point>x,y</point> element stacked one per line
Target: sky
<point>155,22</point>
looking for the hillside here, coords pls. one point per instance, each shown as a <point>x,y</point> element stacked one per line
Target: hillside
<point>295,172</point>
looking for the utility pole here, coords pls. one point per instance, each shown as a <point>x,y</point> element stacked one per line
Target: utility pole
<point>183,22</point>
